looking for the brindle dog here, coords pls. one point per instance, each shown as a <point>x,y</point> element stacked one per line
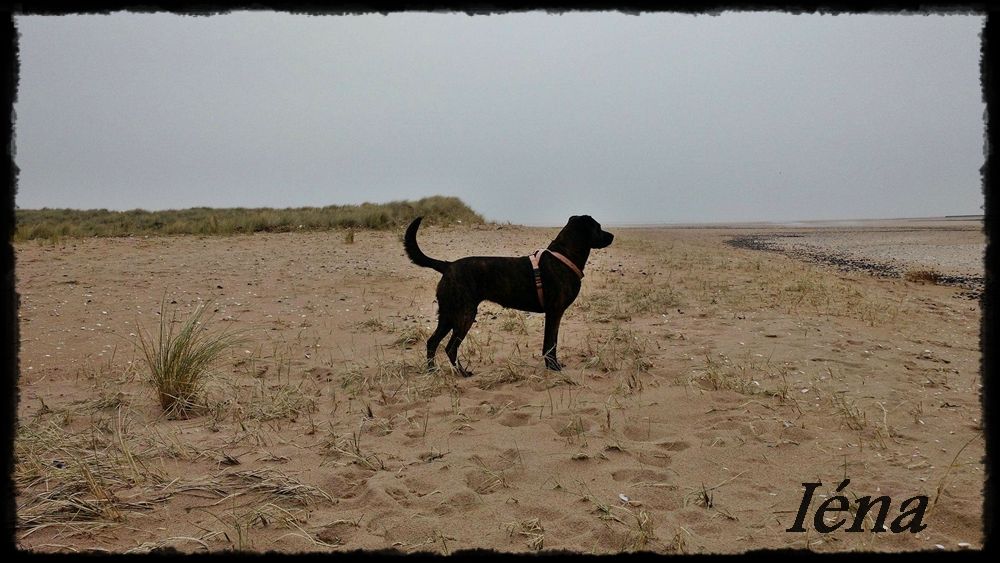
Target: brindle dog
<point>509,282</point>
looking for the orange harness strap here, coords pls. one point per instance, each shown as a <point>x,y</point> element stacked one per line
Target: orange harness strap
<point>534,257</point>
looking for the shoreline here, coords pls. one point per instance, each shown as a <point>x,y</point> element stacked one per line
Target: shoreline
<point>842,258</point>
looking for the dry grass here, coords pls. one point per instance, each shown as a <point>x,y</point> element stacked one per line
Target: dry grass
<point>85,481</point>
<point>350,447</point>
<point>855,418</point>
<point>531,529</point>
<point>514,322</point>
<point>510,371</point>
<point>619,349</point>
<point>179,359</point>
<point>74,479</point>
<point>374,325</point>
<point>391,380</point>
<point>635,524</point>
<point>603,307</point>
<point>752,375</point>
<point>274,484</point>
<point>487,479</point>
<point>411,336</point>
<point>922,276</point>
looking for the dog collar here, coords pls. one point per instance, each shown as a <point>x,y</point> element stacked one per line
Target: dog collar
<point>534,257</point>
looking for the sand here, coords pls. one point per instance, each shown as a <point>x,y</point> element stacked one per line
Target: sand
<point>704,385</point>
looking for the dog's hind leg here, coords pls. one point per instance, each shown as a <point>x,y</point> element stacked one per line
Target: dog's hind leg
<point>435,339</point>
<point>552,319</point>
<point>461,329</point>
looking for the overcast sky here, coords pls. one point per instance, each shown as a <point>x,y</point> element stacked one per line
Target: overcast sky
<point>527,117</point>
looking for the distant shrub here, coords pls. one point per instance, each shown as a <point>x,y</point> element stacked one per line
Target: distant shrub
<point>51,224</point>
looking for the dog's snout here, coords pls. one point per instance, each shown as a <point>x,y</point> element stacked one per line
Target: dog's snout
<point>605,240</point>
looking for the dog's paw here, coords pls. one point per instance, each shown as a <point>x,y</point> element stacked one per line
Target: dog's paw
<point>554,365</point>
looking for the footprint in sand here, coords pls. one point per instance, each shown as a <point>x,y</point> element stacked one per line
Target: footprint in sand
<point>460,502</point>
<point>338,533</point>
<point>646,432</point>
<point>677,446</point>
<point>656,459</point>
<point>566,426</point>
<point>513,419</point>
<point>347,485</point>
<point>639,476</point>
<point>399,495</point>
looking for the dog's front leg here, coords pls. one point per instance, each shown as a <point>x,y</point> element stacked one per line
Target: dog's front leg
<point>552,319</point>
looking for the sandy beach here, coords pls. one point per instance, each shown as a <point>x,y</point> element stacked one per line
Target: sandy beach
<point>705,383</point>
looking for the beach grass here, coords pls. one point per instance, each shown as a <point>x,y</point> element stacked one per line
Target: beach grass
<point>179,359</point>
<point>57,224</point>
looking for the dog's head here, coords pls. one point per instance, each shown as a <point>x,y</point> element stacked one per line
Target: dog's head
<point>590,230</point>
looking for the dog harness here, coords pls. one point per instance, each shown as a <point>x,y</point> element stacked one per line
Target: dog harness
<point>535,256</point>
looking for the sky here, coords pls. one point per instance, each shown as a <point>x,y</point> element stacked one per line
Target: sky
<point>527,117</point>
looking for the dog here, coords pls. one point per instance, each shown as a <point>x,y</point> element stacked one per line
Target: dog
<point>545,282</point>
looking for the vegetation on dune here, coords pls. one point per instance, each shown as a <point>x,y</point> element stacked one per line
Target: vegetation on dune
<point>53,224</point>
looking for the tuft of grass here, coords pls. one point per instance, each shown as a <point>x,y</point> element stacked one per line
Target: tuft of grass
<point>621,301</point>
<point>640,530</point>
<point>641,300</point>
<point>620,349</point>
<point>954,462</point>
<point>530,529</point>
<point>374,324</point>
<point>350,447</point>
<point>281,401</point>
<point>510,371</point>
<point>487,479</point>
<point>179,359</point>
<point>922,276</point>
<point>275,484</point>
<point>514,322</point>
<point>411,336</point>
<point>637,523</point>
<point>747,377</point>
<point>604,307</point>
<point>854,417</point>
<point>269,515</point>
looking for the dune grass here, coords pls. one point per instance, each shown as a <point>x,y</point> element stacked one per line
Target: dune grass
<point>179,359</point>
<point>56,224</point>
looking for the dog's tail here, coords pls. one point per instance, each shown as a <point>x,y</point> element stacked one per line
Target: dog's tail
<point>414,252</point>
